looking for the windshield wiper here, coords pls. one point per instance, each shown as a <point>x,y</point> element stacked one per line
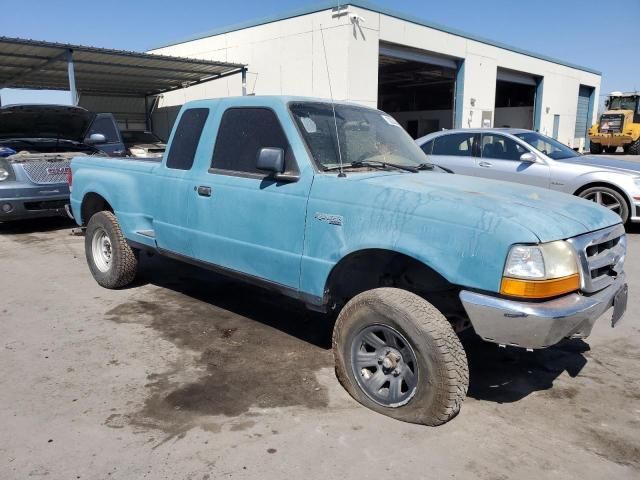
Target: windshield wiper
<point>372,164</point>
<point>433,167</point>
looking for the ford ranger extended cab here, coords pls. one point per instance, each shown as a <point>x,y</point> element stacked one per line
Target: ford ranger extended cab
<point>333,204</point>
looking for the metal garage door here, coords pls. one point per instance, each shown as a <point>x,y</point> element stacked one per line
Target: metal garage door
<point>582,115</point>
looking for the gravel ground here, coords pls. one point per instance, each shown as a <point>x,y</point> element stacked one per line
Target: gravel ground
<point>188,376</point>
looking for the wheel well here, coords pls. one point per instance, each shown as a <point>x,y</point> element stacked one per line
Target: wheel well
<point>93,203</point>
<point>607,185</point>
<point>373,268</point>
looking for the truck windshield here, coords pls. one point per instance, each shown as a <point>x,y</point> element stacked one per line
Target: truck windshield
<point>367,136</point>
<point>550,147</point>
<point>622,103</point>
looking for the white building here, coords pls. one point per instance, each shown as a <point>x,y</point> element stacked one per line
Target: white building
<point>428,76</point>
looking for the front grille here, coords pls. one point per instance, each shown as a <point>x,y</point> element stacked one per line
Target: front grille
<point>44,172</point>
<point>601,256</point>
<point>611,123</point>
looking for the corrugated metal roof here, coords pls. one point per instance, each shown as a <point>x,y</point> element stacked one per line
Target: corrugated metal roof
<point>42,65</point>
<point>330,5</point>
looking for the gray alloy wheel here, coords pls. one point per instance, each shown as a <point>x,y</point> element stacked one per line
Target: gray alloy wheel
<point>609,198</point>
<point>384,365</point>
<point>398,355</point>
<point>112,261</point>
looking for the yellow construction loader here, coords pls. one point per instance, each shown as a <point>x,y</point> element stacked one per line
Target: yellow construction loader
<point>618,126</point>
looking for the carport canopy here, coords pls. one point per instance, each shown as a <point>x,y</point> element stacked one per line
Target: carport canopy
<point>33,64</point>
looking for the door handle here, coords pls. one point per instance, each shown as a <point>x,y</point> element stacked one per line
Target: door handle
<point>204,191</point>
<point>485,164</point>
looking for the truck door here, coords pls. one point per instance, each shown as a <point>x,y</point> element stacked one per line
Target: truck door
<point>500,160</point>
<point>245,221</point>
<point>174,185</point>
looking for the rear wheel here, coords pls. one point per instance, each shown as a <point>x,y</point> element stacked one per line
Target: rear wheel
<point>595,148</point>
<point>634,148</point>
<point>398,355</point>
<point>608,197</point>
<point>610,149</point>
<point>112,262</point>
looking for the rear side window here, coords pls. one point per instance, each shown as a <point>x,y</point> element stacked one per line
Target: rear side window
<point>456,144</point>
<point>427,147</point>
<point>106,127</point>
<point>242,133</point>
<point>185,141</point>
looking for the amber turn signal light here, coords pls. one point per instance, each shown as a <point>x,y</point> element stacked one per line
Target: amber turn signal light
<point>514,287</point>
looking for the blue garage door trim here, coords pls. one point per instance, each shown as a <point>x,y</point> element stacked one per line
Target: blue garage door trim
<point>537,113</point>
<point>584,112</point>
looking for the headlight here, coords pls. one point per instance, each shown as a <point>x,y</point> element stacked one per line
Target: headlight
<point>540,271</point>
<point>6,172</point>
<point>138,152</point>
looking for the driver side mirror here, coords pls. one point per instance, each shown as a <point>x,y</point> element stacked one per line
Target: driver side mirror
<point>528,157</point>
<point>96,138</point>
<point>271,160</point>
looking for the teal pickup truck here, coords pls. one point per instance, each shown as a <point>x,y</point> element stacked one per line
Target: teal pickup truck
<point>333,204</point>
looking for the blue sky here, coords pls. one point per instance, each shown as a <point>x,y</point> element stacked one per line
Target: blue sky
<point>578,31</point>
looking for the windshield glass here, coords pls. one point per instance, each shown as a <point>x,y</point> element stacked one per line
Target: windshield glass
<point>140,137</point>
<point>366,135</point>
<point>550,147</point>
<point>622,103</point>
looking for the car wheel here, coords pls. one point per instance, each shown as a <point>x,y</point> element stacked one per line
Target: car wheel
<point>113,263</point>
<point>608,197</point>
<point>595,148</point>
<point>398,355</point>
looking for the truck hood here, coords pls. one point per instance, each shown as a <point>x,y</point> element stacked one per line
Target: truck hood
<point>547,214</point>
<point>44,121</point>
<point>606,163</point>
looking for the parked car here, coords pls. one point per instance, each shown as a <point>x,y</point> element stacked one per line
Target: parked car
<point>141,143</point>
<point>37,143</point>
<point>528,157</point>
<point>334,205</point>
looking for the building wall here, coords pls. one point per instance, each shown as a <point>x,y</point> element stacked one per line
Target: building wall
<point>287,57</point>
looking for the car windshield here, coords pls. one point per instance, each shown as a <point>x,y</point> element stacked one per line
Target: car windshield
<point>140,137</point>
<point>550,147</point>
<point>366,135</point>
<point>622,103</point>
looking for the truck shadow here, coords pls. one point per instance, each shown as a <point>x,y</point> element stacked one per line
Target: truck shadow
<point>501,375</point>
<point>505,375</point>
<point>36,225</point>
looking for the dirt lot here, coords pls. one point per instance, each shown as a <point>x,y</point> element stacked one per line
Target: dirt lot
<point>189,376</point>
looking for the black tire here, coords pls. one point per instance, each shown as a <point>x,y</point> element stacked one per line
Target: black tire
<point>595,148</point>
<point>442,373</point>
<point>610,194</point>
<point>120,268</point>
<point>610,149</point>
<point>634,148</point>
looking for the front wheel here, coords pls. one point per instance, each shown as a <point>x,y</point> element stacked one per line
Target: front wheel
<point>608,197</point>
<point>634,148</point>
<point>398,355</point>
<point>112,262</point>
<point>595,148</point>
<point>610,149</point>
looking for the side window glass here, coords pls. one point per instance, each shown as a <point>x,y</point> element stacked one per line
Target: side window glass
<point>185,141</point>
<point>106,127</point>
<point>455,144</point>
<point>427,147</point>
<point>502,148</point>
<point>243,132</point>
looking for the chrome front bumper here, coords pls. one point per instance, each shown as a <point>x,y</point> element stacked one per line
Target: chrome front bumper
<point>537,325</point>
